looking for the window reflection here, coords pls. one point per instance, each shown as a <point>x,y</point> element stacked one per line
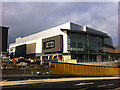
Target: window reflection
<point>85,47</point>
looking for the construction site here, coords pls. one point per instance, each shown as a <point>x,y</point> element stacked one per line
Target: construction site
<point>68,49</point>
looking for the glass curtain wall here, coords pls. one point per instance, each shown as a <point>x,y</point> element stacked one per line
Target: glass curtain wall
<point>84,47</point>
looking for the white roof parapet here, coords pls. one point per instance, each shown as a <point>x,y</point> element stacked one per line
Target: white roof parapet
<point>42,34</point>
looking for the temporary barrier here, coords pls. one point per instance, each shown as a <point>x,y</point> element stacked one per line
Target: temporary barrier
<point>79,69</point>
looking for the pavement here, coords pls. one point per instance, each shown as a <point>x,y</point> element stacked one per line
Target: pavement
<point>26,77</point>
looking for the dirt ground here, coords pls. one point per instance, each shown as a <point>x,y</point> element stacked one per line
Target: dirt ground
<point>30,69</point>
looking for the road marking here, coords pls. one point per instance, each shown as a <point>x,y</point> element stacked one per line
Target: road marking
<point>110,84</point>
<point>85,83</point>
<point>102,85</point>
<point>106,85</point>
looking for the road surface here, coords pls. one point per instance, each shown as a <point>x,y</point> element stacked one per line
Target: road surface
<point>100,83</point>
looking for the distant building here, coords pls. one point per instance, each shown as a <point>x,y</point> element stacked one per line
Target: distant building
<point>4,40</point>
<point>73,42</point>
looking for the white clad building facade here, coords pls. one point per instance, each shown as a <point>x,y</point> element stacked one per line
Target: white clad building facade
<point>62,39</point>
<point>37,38</point>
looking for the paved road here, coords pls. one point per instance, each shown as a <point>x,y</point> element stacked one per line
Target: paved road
<point>110,84</point>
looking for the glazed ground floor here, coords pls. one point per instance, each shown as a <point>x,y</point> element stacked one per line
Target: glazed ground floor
<point>105,59</point>
<point>75,57</point>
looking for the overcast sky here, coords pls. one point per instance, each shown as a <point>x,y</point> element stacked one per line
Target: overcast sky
<point>26,18</point>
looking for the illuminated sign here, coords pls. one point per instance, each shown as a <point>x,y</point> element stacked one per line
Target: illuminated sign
<point>49,44</point>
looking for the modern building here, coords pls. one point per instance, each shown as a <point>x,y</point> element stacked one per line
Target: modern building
<point>4,40</point>
<point>72,42</point>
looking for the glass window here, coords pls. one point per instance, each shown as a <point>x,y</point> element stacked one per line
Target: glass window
<point>89,44</point>
<point>100,44</point>
<point>73,56</point>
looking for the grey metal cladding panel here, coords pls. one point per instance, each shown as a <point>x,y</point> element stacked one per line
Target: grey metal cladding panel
<point>31,48</point>
<point>58,40</point>
<point>96,31</point>
<point>75,26</point>
<point>108,41</point>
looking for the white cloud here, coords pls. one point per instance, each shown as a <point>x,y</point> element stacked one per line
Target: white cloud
<point>103,18</point>
<point>28,18</point>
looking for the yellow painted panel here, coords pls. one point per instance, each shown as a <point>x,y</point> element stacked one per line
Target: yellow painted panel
<point>75,69</point>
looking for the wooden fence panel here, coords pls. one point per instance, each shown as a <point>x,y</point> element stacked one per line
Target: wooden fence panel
<point>77,69</point>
